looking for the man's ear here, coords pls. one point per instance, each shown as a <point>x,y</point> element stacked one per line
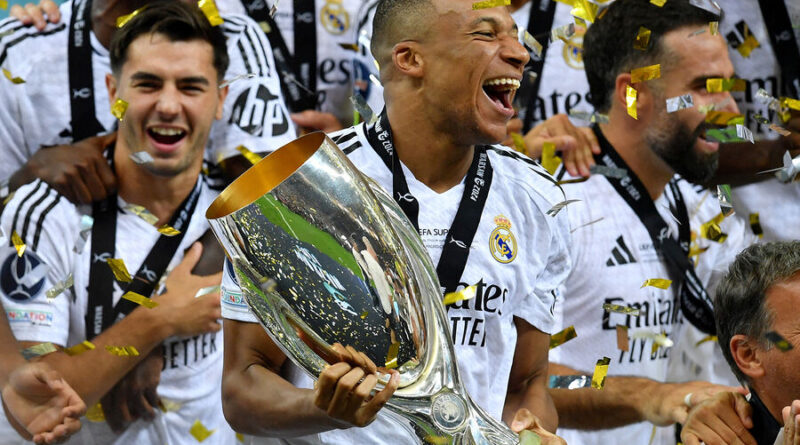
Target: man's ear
<point>746,353</point>
<point>644,96</point>
<point>407,58</point>
<point>111,86</point>
<point>222,94</point>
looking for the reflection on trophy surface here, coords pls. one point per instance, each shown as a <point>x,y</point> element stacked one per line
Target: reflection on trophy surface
<point>325,255</point>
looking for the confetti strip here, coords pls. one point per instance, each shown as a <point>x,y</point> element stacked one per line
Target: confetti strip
<point>777,340</point>
<point>486,4</point>
<point>167,405</point>
<point>771,102</point>
<point>714,106</point>
<point>569,381</point>
<point>532,44</point>
<point>698,32</point>
<point>661,283</point>
<point>584,9</point>
<point>19,245</point>
<point>80,348</point>
<point>249,155</point>
<point>658,3</point>
<point>391,355</point>
<point>528,437</point>
<point>609,172</point>
<point>207,290</point>
<point>630,98</point>
<point>123,19</point>
<point>199,431</point>
<point>622,338</point>
<point>3,4</point>
<point>364,315</point>
<point>235,78</point>
<point>95,413</point>
<point>141,157</point>
<point>168,230</point>
<point>119,108</point>
<point>755,225</point>
<point>141,212</point>
<point>679,103</point>
<point>563,32</point>
<point>14,80</point>
<point>438,440</point>
<point>211,12</point>
<point>708,5</point>
<point>749,44</point>
<point>793,104</point>
<point>557,208</point>
<point>60,287</point>
<point>645,73</point>
<point>780,130</point>
<point>519,143</point>
<point>642,39</point>
<point>706,339</point>
<point>38,350</point>
<point>593,117</point>
<point>725,199</point>
<point>713,28</point>
<point>660,340</point>
<point>627,310</point>
<point>122,351</point>
<point>600,371</point>
<point>349,46</point>
<point>140,299</point>
<point>587,224</point>
<point>117,266</point>
<point>719,85</point>
<point>460,295</point>
<point>363,108</point>
<point>712,231</point>
<point>561,337</point>
<point>724,118</point>
<point>550,161</point>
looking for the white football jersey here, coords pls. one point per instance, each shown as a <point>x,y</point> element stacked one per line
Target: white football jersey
<point>613,256</point>
<point>482,328</point>
<point>50,226</point>
<point>36,113</point>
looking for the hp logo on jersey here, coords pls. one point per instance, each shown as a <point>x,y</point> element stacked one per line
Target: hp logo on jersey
<point>502,243</point>
<point>13,273</point>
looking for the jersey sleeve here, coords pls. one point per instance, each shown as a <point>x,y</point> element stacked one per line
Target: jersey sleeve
<point>48,225</point>
<point>255,114</point>
<point>233,305</point>
<point>12,139</point>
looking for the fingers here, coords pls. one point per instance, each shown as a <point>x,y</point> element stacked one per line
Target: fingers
<point>689,439</point>
<point>370,410</point>
<point>523,419</point>
<point>36,16</point>
<point>340,401</point>
<point>190,258</point>
<point>743,410</point>
<point>94,184</point>
<point>326,385</point>
<point>18,12</point>
<point>80,192</point>
<point>51,9</point>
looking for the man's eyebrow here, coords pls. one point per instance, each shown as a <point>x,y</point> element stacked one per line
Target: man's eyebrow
<point>194,79</point>
<point>493,23</point>
<point>142,75</point>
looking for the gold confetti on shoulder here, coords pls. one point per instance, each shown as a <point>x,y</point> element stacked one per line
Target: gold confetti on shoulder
<point>563,336</point>
<point>19,245</point>
<point>460,295</point>
<point>140,299</point>
<point>627,310</point>
<point>80,348</point>
<point>755,225</point>
<point>712,231</point>
<point>661,283</point>
<point>211,12</point>
<point>14,80</point>
<point>199,431</point>
<point>117,266</point>
<point>168,230</point>
<point>119,108</point>
<point>486,4</point>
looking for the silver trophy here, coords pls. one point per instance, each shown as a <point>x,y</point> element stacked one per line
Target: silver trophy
<point>323,255</point>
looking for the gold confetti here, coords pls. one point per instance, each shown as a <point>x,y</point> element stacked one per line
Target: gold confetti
<point>659,340</point>
<point>561,337</point>
<point>490,4</point>
<point>119,108</point>
<point>349,46</point>
<point>519,143</point>
<point>438,440</point>
<point>198,430</point>
<point>391,356</point>
<point>622,338</point>
<point>528,437</point>
<point>60,287</point>
<point>642,39</point>
<point>627,310</point>
<point>584,9</point>
<point>532,43</point>
<point>463,294</point>
<point>749,44</point>
<point>724,118</point>
<point>141,212</point>
<point>38,350</point>
<point>167,405</point>
<point>80,348</point>
<point>140,299</point>
<point>249,155</point>
<point>95,413</point>
<point>19,245</point>
<point>211,12</point>
<point>646,73</point>
<point>779,342</point>
<point>661,283</point>
<point>364,315</point>
<point>123,19</point>
<point>755,225</point>
<point>712,231</point>
<point>719,84</point>
<point>14,80</point>
<point>550,161</point>
<point>122,351</point>
<point>787,102</point>
<point>658,3</point>
<point>713,28</point>
<point>240,437</point>
<point>558,206</point>
<point>706,339</point>
<point>3,4</point>
<point>120,271</point>
<point>168,230</point>
<point>600,371</point>
<point>630,98</point>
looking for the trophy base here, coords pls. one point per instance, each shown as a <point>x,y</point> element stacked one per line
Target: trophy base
<point>447,418</point>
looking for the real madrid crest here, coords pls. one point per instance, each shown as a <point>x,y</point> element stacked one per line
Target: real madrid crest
<point>502,243</point>
<point>334,17</point>
<point>573,49</point>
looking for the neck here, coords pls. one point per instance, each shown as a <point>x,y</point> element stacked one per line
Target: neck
<point>775,407</point>
<point>632,147</point>
<point>432,156</point>
<point>161,195</point>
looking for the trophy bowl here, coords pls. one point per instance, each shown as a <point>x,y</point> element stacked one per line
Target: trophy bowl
<point>323,254</point>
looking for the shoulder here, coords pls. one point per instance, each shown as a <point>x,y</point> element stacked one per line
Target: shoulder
<point>37,210</point>
<point>237,25</point>
<point>348,139</point>
<point>16,38</point>
<point>525,172</point>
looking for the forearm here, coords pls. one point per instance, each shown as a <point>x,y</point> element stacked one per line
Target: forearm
<point>621,402</point>
<point>10,358</point>
<point>258,401</point>
<point>535,397</point>
<point>93,373</point>
<point>740,162</point>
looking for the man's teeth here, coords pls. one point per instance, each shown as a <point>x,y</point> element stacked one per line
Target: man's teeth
<point>166,131</point>
<point>513,83</point>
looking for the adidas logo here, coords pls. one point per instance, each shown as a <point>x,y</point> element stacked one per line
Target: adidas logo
<point>620,254</point>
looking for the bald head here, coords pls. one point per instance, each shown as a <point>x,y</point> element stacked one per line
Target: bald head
<point>396,21</point>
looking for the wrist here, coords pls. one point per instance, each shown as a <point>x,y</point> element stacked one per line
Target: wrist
<point>160,323</point>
